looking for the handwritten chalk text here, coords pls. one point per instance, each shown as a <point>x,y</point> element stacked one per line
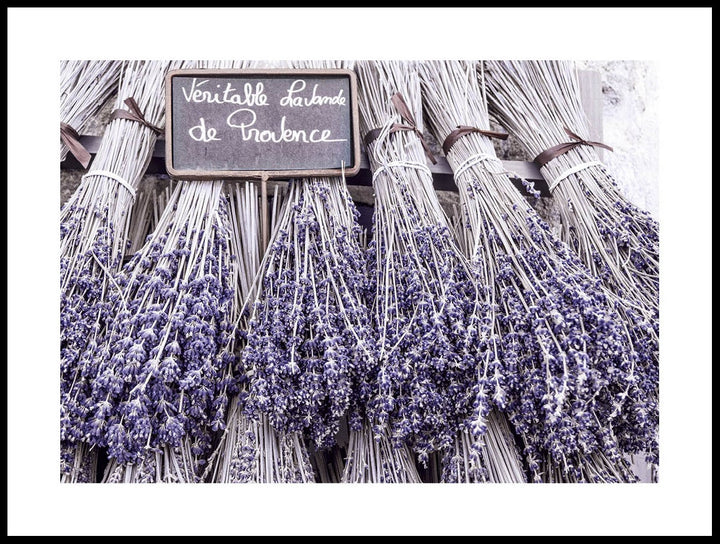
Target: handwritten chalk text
<point>200,133</point>
<point>251,96</point>
<point>297,86</point>
<point>245,118</point>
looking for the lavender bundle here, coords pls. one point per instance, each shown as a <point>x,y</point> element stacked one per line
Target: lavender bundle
<point>369,457</point>
<point>619,243</point>
<point>85,86</point>
<point>250,449</point>
<point>150,202</point>
<point>438,367</point>
<point>164,371</point>
<point>539,101</point>
<point>310,326</point>
<point>173,341</point>
<point>570,369</point>
<point>93,239</point>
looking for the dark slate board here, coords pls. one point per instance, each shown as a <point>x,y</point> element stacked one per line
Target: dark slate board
<point>243,123</point>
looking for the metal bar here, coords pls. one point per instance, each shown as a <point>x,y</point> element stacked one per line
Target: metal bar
<point>442,173</point>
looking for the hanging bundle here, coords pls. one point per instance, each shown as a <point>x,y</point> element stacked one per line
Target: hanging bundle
<point>93,240</point>
<point>310,326</point>
<point>250,448</point>
<point>164,369</point>
<point>438,367</point>
<point>569,367</point>
<point>85,86</point>
<point>364,458</point>
<point>539,102</point>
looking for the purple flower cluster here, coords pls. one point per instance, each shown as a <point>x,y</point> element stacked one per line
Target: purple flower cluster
<point>310,328</point>
<point>628,263</point>
<point>635,237</point>
<point>163,371</point>
<point>85,308</point>
<point>438,370</point>
<point>628,232</point>
<point>577,383</point>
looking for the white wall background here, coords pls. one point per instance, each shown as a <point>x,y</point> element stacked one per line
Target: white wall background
<point>630,125</point>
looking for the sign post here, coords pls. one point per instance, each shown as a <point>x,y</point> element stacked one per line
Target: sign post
<point>224,124</point>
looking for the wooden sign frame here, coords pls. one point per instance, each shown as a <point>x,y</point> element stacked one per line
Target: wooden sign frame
<point>261,174</point>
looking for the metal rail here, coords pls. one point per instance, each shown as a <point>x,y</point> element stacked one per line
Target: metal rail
<point>442,173</point>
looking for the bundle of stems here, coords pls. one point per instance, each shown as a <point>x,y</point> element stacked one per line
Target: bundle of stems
<point>330,464</point>
<point>568,364</point>
<point>93,240</point>
<point>85,86</point>
<point>250,449</point>
<point>172,338</point>
<point>150,202</point>
<point>539,102</point>
<point>373,458</point>
<point>310,326</point>
<point>165,366</point>
<point>245,222</point>
<point>438,367</point>
<point>370,458</point>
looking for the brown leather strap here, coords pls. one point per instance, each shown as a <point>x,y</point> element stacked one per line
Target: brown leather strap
<point>464,130</point>
<point>71,139</point>
<point>404,111</point>
<point>549,154</point>
<point>371,136</point>
<point>135,114</point>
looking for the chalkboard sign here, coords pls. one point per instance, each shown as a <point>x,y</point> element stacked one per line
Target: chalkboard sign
<point>261,123</point>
